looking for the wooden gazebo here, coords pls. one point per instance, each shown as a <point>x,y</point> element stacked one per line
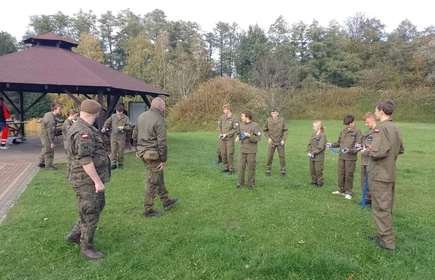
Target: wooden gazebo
<point>50,66</point>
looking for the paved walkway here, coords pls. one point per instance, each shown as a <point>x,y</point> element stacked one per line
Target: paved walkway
<point>18,166</point>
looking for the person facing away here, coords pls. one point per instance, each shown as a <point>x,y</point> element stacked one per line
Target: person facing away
<point>386,146</point>
<point>276,132</point>
<point>249,134</point>
<point>4,115</point>
<point>369,119</point>
<point>347,141</point>
<point>149,139</point>
<point>316,153</point>
<point>228,125</point>
<point>90,170</point>
<point>72,117</point>
<point>119,123</point>
<point>47,133</point>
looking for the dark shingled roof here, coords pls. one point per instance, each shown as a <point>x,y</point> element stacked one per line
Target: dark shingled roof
<point>50,66</point>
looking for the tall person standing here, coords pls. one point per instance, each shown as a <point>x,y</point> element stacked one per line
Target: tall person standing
<point>386,146</point>
<point>276,132</point>
<point>228,125</point>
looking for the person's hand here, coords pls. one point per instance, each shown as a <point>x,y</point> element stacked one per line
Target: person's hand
<point>309,154</point>
<point>282,142</point>
<point>220,136</point>
<point>223,136</point>
<point>99,187</point>
<point>237,139</point>
<point>367,147</point>
<point>328,144</point>
<point>103,130</point>
<point>247,134</point>
<point>52,145</point>
<point>137,155</point>
<point>120,127</point>
<point>269,141</point>
<point>160,166</point>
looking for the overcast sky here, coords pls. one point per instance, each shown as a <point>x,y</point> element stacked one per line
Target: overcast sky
<point>14,16</point>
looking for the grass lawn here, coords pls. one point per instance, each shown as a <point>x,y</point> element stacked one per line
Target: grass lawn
<point>283,229</point>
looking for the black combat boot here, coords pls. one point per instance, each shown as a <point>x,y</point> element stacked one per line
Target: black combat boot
<point>152,213</point>
<point>113,166</point>
<point>91,254</point>
<point>168,205</point>
<point>73,237</point>
<point>219,159</point>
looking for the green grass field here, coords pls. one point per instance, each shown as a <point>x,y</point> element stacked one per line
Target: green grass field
<point>218,232</point>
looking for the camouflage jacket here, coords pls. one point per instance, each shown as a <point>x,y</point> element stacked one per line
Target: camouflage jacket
<point>86,146</point>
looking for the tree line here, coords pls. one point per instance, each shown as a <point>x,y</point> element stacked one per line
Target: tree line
<point>178,56</point>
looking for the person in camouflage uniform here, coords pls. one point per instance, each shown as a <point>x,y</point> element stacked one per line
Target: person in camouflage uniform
<point>316,152</point>
<point>72,117</point>
<point>149,139</point>
<point>249,134</point>
<point>276,132</point>
<point>119,123</point>
<point>370,121</point>
<point>386,146</point>
<point>90,170</point>
<point>228,125</point>
<point>347,141</point>
<point>47,133</point>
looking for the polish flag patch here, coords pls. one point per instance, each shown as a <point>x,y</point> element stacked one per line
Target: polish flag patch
<point>85,136</point>
<point>376,130</point>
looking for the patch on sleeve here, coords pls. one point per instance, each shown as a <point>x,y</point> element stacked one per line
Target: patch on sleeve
<point>237,123</point>
<point>259,133</point>
<point>376,131</point>
<point>85,136</point>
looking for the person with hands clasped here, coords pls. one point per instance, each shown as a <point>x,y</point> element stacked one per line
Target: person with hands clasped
<point>228,125</point>
<point>276,132</point>
<point>316,153</point>
<point>347,141</point>
<point>119,123</point>
<point>249,134</point>
<point>47,132</point>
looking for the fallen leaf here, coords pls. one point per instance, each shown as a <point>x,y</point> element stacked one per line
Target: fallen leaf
<point>247,266</point>
<point>351,277</point>
<point>45,219</point>
<point>301,242</point>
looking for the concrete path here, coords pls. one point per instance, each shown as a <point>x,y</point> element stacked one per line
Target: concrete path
<point>18,166</point>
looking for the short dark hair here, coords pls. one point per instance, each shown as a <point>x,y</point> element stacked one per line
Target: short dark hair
<point>120,108</point>
<point>274,110</point>
<point>248,114</point>
<point>387,106</point>
<point>348,119</point>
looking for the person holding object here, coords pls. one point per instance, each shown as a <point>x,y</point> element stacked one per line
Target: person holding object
<point>228,125</point>
<point>90,170</point>
<point>72,117</point>
<point>347,140</point>
<point>249,134</point>
<point>370,121</point>
<point>276,132</point>
<point>316,152</point>
<point>47,134</point>
<point>4,115</point>
<point>386,146</point>
<point>119,123</point>
<point>149,139</point>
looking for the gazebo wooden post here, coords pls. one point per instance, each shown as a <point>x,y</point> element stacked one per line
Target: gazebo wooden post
<point>22,112</point>
<point>101,117</point>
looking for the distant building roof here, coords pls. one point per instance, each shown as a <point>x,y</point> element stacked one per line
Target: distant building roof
<point>50,66</point>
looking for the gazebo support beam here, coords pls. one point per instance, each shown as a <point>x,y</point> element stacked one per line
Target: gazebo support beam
<point>76,100</point>
<point>145,99</point>
<point>34,102</point>
<point>10,101</point>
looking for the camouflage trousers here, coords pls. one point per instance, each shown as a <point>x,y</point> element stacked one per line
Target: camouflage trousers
<point>117,147</point>
<point>68,159</point>
<point>47,153</point>
<point>90,205</point>
<point>155,184</point>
